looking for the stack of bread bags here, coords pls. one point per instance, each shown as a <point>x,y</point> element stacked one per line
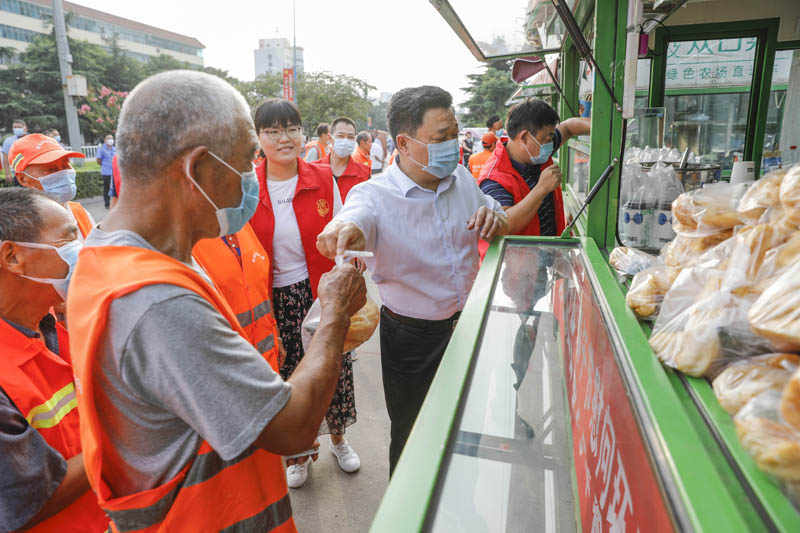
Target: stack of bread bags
<point>732,313</point>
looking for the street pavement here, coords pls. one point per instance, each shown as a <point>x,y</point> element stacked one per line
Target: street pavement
<point>333,501</point>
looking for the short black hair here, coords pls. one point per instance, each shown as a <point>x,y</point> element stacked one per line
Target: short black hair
<point>21,214</point>
<point>363,136</point>
<point>276,112</point>
<point>19,121</point>
<point>322,129</point>
<point>492,120</point>
<point>346,120</point>
<point>531,115</point>
<point>408,106</point>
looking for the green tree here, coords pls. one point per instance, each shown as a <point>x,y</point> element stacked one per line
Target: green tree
<point>263,87</point>
<point>377,112</point>
<point>164,62</point>
<point>322,96</point>
<point>487,93</point>
<point>122,72</point>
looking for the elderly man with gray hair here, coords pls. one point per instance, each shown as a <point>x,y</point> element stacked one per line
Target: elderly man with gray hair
<point>185,421</point>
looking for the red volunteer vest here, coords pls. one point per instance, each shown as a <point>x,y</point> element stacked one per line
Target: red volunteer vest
<point>40,384</point>
<point>208,494</point>
<point>245,285</point>
<point>499,169</point>
<point>353,175</point>
<point>313,207</point>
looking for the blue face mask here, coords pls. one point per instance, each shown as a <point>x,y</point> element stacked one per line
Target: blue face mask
<point>232,219</point>
<point>443,158</point>
<point>68,253</point>
<point>545,151</point>
<point>59,185</point>
<point>57,138</point>
<point>19,132</point>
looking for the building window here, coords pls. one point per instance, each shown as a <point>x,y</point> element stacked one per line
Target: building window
<point>18,34</point>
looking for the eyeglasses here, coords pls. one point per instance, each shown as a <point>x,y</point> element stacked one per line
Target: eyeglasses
<point>292,132</point>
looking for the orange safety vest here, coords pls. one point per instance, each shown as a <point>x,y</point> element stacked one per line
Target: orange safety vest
<point>321,151</point>
<point>208,494</point>
<point>81,217</point>
<point>360,157</point>
<point>243,279</point>
<point>476,162</point>
<point>40,384</point>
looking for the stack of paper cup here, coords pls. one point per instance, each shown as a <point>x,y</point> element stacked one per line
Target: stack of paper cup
<point>743,172</point>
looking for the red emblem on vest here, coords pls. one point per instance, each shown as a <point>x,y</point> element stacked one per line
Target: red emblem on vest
<point>322,207</point>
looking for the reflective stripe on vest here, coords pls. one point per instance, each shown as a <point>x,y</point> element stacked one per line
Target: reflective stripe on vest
<point>50,413</point>
<point>39,382</point>
<point>209,494</point>
<point>244,282</point>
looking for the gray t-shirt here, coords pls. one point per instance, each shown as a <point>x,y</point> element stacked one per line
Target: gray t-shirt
<point>174,373</point>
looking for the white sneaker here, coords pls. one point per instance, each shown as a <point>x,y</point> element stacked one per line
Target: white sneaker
<point>297,474</point>
<point>347,457</point>
<point>353,356</point>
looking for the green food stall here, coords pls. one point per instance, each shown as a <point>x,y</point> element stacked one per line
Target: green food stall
<point>550,411</point>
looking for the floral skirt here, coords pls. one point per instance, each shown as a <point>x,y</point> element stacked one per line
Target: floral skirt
<point>291,305</point>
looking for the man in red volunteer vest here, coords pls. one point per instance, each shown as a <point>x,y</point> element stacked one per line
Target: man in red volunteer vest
<point>183,420</point>
<point>346,171</point>
<point>41,163</point>
<point>320,148</point>
<point>43,485</point>
<point>520,173</point>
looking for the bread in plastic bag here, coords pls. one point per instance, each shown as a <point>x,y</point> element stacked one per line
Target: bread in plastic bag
<point>708,210</point>
<point>774,445</point>
<point>762,195</point>
<point>775,315</point>
<point>630,261</point>
<point>648,289</point>
<point>362,325</point>
<point>743,380</point>
<point>685,250</point>
<point>790,401</point>
<point>790,194</point>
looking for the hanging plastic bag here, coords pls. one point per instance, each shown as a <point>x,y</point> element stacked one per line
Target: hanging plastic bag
<point>637,211</point>
<point>743,380</point>
<point>630,261</point>
<point>362,324</point>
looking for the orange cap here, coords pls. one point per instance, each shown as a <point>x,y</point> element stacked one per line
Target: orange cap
<point>35,149</point>
<point>489,138</point>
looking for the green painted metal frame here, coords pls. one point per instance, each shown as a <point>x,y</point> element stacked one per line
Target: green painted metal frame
<point>606,137</point>
<point>788,45</point>
<point>691,457</point>
<point>765,30</point>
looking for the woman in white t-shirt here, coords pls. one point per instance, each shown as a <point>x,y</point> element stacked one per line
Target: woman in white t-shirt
<point>297,199</point>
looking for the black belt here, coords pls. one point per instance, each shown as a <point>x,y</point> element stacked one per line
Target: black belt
<point>420,322</point>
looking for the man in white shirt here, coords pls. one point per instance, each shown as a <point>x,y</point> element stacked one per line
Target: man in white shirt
<point>422,218</point>
<point>376,154</point>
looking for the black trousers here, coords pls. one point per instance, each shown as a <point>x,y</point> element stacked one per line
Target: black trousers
<point>411,350</point>
<point>106,188</point>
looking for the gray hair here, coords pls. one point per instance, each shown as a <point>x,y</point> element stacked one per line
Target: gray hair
<point>173,112</point>
<point>363,136</point>
<point>21,214</point>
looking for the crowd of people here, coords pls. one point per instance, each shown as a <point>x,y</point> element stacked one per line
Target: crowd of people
<point>154,374</point>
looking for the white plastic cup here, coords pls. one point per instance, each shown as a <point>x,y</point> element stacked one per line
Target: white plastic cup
<point>743,172</point>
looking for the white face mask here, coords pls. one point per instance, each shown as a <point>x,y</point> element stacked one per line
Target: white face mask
<point>344,147</point>
<point>110,142</point>
<point>68,253</point>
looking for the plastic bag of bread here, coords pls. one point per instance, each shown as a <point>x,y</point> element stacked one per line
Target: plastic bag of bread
<point>710,333</point>
<point>775,315</point>
<point>630,261</point>
<point>743,380</point>
<point>362,325</point>
<point>790,194</point>
<point>776,261</point>
<point>708,210</point>
<point>790,401</point>
<point>647,290</point>
<point>685,250</point>
<point>774,445</point>
<point>762,195</point>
